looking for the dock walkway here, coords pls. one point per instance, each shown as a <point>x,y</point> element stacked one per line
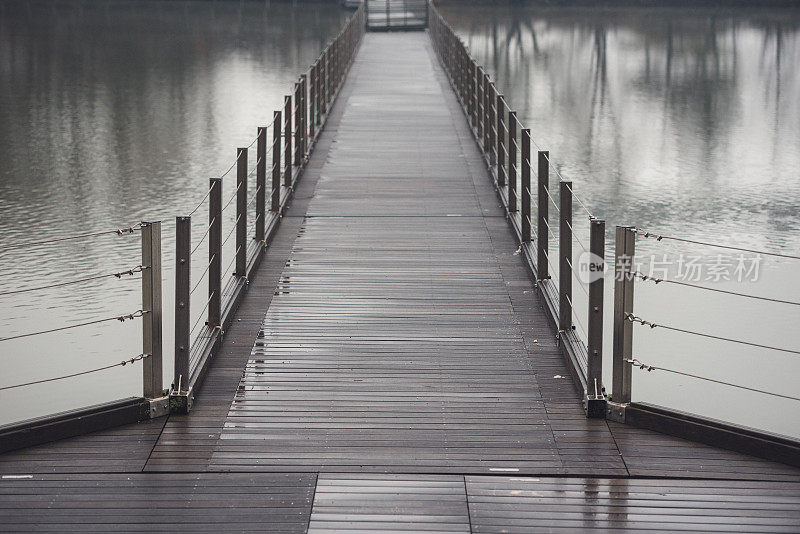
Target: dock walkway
<point>392,369</point>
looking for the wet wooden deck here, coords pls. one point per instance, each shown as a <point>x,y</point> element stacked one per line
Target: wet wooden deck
<point>392,370</point>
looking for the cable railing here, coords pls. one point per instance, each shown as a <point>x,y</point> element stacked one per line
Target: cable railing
<point>261,193</point>
<point>627,275</point>
<point>507,147</point>
<point>150,312</point>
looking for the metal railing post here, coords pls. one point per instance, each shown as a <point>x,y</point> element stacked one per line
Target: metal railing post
<point>329,73</point>
<point>152,374</point>
<point>304,114</point>
<point>501,153</point>
<point>492,100</point>
<point>476,99</point>
<point>479,103</point>
<point>486,119</point>
<point>183,269</point>
<point>336,59</point>
<point>323,86</point>
<point>312,101</point>
<point>215,254</point>
<point>287,141</point>
<point>512,161</point>
<point>465,77</point>
<point>318,93</point>
<point>625,250</point>
<point>565,257</point>
<point>470,81</point>
<point>261,183</point>
<point>298,140</point>
<point>595,395</point>
<point>525,185</point>
<point>460,73</point>
<point>542,208</point>
<point>275,203</point>
<point>241,213</point>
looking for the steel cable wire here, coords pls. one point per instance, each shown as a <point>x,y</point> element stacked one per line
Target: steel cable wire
<point>203,274</point>
<point>634,319</point>
<point>656,280</point>
<point>647,367</point>
<point>120,274</point>
<point>659,237</point>
<point>118,231</point>
<point>120,318</point>
<point>120,364</point>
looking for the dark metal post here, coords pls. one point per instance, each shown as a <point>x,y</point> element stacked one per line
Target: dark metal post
<point>318,92</point>
<point>492,100</point>
<point>276,162</point>
<point>328,73</point>
<point>241,212</point>
<point>465,77</point>
<point>487,121</point>
<point>215,254</point>
<point>261,183</point>
<point>470,81</point>
<point>298,140</point>
<point>460,73</point>
<point>501,154</point>
<point>479,102</point>
<point>542,205</point>
<point>512,161</point>
<point>565,257</point>
<point>304,113</point>
<point>525,185</point>
<point>183,269</point>
<point>287,141</point>
<point>152,373</point>
<point>595,396</point>
<point>476,99</point>
<point>312,101</point>
<point>323,100</point>
<point>336,62</point>
<point>623,309</point>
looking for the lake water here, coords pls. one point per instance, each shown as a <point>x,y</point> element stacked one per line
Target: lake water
<point>684,123</point>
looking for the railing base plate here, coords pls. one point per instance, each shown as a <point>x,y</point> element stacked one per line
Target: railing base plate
<point>180,402</point>
<point>595,406</point>
<point>159,407</point>
<point>615,411</point>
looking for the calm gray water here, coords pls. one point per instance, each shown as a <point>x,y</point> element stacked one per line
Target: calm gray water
<point>686,123</point>
<point>112,112</point>
<point>683,123</point>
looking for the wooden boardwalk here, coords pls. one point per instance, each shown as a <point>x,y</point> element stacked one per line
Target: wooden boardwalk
<point>392,370</point>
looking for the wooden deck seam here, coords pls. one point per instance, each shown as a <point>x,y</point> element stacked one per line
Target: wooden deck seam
<point>155,443</point>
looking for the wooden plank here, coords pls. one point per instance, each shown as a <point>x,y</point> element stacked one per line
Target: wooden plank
<point>121,449</point>
<point>519,504</point>
<point>161,502</point>
<point>389,503</point>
